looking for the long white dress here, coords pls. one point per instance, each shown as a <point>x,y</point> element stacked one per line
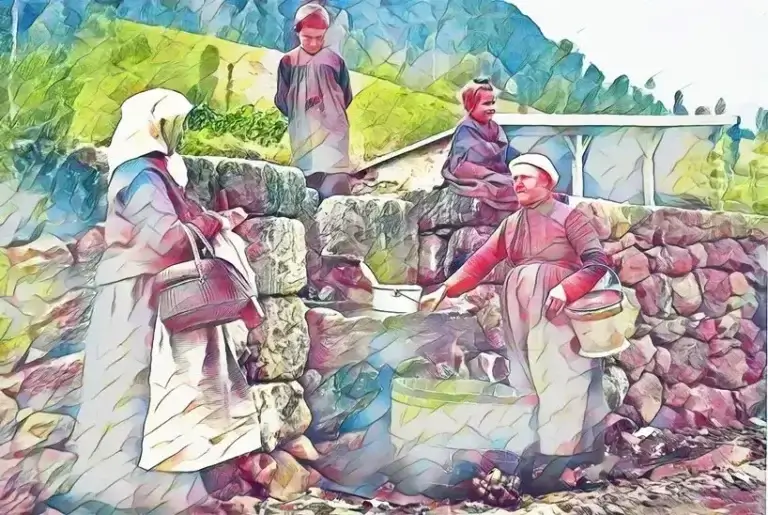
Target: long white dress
<point>155,408</point>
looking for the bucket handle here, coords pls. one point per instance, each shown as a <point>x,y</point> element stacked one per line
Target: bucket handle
<point>615,283</point>
<point>399,293</point>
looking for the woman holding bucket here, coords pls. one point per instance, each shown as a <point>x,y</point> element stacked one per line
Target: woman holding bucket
<point>557,259</point>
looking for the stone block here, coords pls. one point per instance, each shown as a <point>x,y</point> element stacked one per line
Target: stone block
<point>280,345</point>
<point>432,252</point>
<point>443,208</point>
<point>202,179</point>
<point>463,243</point>
<point>283,413</point>
<point>379,231</point>
<point>277,252</point>
<point>260,188</point>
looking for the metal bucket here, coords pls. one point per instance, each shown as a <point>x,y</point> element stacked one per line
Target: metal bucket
<point>595,319</point>
<point>396,299</point>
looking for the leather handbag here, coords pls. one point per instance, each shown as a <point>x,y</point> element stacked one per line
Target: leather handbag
<point>200,293</point>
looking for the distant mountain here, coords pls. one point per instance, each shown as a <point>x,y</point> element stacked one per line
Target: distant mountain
<point>433,46</point>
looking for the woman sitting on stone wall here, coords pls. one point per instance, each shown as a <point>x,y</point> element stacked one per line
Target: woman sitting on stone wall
<point>477,160</point>
<point>157,406</point>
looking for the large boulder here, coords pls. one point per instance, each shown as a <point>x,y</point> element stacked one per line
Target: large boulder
<point>686,294</point>
<point>615,386</point>
<point>50,385</point>
<point>277,252</point>
<point>670,260</point>
<point>711,406</point>
<point>689,361</point>
<point>336,340</point>
<point>203,180</point>
<point>27,481</point>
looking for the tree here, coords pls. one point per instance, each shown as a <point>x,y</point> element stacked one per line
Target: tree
<point>702,110</point>
<point>650,83</point>
<point>679,108</point>
<point>720,106</point>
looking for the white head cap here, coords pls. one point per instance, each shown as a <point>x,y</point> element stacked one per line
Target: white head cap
<point>522,164</point>
<point>310,9</point>
<point>140,130</point>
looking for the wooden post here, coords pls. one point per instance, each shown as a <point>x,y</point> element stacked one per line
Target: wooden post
<point>577,146</point>
<point>649,177</point>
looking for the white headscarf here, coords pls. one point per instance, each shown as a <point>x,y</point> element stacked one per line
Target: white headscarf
<point>140,130</point>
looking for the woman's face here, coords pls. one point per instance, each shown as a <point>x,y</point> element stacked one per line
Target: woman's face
<point>312,40</point>
<point>485,108</point>
<point>531,184</point>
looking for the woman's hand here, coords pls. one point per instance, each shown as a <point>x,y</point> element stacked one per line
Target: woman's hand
<point>430,302</point>
<point>234,217</point>
<point>555,302</point>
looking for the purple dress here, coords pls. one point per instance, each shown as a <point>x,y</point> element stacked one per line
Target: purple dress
<point>314,92</point>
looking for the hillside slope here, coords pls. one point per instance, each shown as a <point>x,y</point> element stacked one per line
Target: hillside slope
<point>423,44</point>
<point>117,59</point>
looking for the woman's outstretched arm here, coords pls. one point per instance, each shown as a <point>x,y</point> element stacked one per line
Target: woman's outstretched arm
<point>479,264</point>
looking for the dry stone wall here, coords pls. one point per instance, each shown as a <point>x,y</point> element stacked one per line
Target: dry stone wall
<point>697,279</point>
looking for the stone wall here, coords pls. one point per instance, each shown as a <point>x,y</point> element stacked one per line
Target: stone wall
<point>698,280</point>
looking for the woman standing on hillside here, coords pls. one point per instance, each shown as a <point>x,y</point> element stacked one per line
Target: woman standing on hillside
<point>156,407</point>
<point>313,92</point>
<point>477,160</point>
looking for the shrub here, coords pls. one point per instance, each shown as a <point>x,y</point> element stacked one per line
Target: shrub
<point>265,128</point>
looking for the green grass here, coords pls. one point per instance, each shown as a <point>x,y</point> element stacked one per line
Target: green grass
<point>118,59</point>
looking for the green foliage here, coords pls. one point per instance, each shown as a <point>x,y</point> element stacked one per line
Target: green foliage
<point>264,127</point>
<point>37,96</point>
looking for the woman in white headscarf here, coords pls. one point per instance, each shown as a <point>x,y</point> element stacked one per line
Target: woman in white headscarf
<point>156,408</point>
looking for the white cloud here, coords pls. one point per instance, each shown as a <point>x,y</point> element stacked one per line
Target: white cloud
<point>706,48</point>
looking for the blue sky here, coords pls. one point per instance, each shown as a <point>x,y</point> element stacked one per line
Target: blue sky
<point>700,46</point>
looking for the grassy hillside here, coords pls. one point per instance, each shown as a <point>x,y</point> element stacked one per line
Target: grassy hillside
<point>117,59</point>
